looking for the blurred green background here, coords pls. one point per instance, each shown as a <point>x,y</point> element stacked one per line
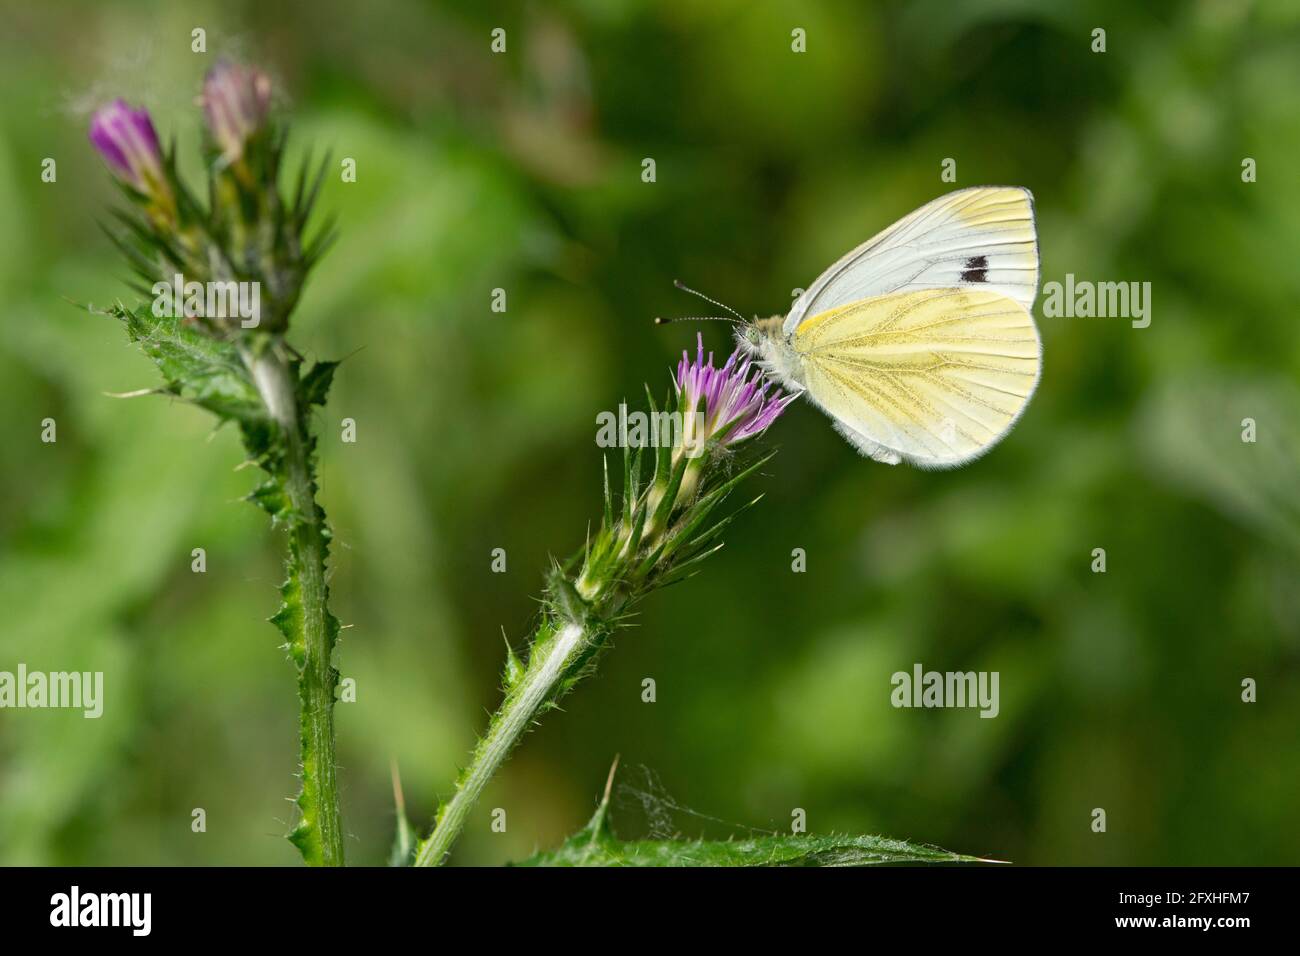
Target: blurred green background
<point>476,430</point>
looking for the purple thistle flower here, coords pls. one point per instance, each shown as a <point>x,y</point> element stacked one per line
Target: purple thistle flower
<point>126,139</point>
<point>236,101</point>
<point>724,396</point>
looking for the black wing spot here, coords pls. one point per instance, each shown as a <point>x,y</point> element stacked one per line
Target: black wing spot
<point>977,269</point>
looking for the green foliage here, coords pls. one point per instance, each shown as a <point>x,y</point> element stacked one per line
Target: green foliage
<point>198,368</point>
<point>315,384</point>
<point>595,849</point>
<point>596,845</point>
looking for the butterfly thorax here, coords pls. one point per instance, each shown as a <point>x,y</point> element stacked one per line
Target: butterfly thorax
<point>773,351</point>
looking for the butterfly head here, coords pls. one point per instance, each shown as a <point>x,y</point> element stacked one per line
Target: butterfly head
<point>761,339</point>
<point>751,336</point>
<point>764,340</point>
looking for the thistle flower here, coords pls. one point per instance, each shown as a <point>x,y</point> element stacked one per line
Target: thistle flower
<point>661,528</point>
<point>236,100</point>
<point>724,403</point>
<point>125,137</point>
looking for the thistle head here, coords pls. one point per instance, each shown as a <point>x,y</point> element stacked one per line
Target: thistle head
<point>236,101</point>
<point>249,241</point>
<point>663,528</point>
<point>125,137</point>
<point>729,404</point>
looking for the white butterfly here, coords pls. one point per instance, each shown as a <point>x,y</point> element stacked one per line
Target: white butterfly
<point>919,344</point>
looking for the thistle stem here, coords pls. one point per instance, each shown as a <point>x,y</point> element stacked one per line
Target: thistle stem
<point>319,800</point>
<point>512,719</point>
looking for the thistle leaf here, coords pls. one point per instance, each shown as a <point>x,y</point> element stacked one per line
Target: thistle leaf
<point>196,367</point>
<point>596,845</point>
<point>314,387</point>
<point>270,496</point>
<point>513,671</point>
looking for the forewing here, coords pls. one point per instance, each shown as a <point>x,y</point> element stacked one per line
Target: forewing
<point>979,238</point>
<point>935,376</point>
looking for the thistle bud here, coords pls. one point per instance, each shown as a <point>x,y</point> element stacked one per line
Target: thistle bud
<point>125,137</point>
<point>236,101</point>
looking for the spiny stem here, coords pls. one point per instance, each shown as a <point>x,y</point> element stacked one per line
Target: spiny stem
<point>512,719</point>
<point>320,833</point>
<point>317,679</point>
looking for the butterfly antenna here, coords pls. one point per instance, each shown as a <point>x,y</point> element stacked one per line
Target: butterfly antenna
<point>738,320</point>
<point>660,320</point>
<point>720,305</point>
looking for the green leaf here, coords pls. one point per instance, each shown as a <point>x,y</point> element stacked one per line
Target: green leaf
<point>513,671</point>
<point>314,387</point>
<point>196,367</point>
<point>582,850</point>
<point>596,845</point>
<point>270,496</point>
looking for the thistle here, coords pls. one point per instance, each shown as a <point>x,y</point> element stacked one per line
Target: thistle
<point>236,102</point>
<point>659,531</point>
<point>125,137</point>
<point>247,243</point>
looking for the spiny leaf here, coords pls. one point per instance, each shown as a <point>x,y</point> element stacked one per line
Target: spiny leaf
<point>313,388</point>
<point>195,367</point>
<point>588,849</point>
<point>596,845</point>
<point>513,671</point>
<point>270,497</point>
<point>288,620</point>
<point>566,600</point>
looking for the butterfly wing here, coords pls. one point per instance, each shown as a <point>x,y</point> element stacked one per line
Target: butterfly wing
<point>982,237</point>
<point>933,377</point>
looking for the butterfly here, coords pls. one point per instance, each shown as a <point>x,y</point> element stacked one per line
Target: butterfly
<point>919,344</point>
